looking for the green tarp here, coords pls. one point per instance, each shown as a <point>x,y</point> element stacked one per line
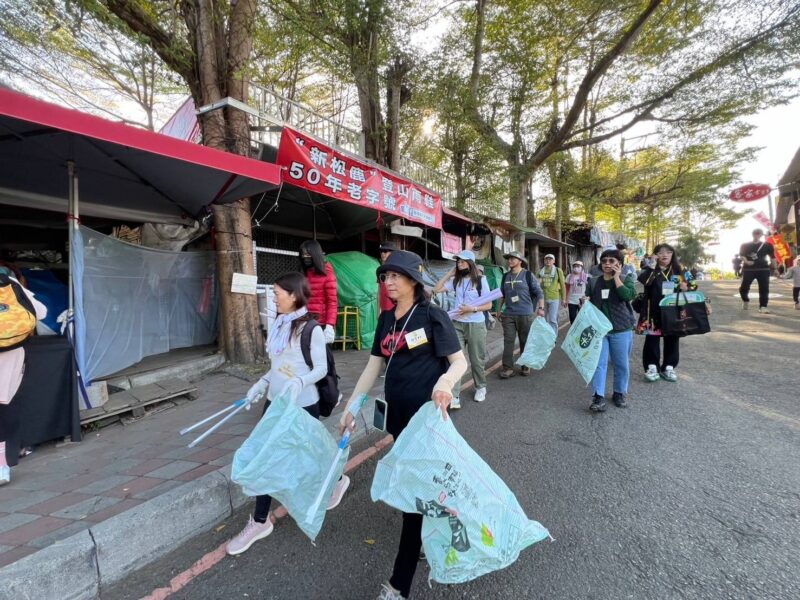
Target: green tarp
<point>357,285</point>
<point>494,275</point>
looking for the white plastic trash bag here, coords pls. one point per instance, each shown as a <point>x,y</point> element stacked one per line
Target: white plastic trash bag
<point>584,340</point>
<point>287,456</point>
<point>541,341</point>
<point>473,524</point>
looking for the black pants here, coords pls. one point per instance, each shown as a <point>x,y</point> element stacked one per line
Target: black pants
<point>573,311</point>
<point>405,565</point>
<point>760,275</point>
<point>651,354</point>
<point>796,294</point>
<point>261,512</point>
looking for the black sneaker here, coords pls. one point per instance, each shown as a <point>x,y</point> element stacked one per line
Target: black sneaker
<point>422,555</point>
<point>598,404</point>
<point>619,400</point>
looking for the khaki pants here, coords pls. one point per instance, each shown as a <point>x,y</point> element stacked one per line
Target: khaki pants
<point>514,326</point>
<point>472,337</point>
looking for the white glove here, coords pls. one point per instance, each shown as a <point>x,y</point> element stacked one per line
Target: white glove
<point>330,334</point>
<point>254,394</point>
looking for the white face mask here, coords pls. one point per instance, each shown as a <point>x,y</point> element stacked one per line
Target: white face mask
<point>577,270</point>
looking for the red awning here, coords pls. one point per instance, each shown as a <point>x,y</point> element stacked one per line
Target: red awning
<point>124,172</point>
<point>457,215</point>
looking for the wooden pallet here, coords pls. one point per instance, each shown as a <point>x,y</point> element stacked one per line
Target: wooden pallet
<point>135,399</point>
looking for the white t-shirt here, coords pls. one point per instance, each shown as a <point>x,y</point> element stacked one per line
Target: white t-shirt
<point>290,363</point>
<point>467,293</point>
<point>577,288</point>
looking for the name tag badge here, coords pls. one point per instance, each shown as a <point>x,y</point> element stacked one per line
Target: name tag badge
<point>416,338</point>
<point>514,298</point>
<point>667,287</point>
<point>604,294</point>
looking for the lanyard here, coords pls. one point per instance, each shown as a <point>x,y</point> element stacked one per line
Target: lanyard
<point>394,337</point>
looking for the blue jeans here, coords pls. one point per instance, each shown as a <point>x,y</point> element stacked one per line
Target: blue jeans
<point>551,313</point>
<point>616,346</point>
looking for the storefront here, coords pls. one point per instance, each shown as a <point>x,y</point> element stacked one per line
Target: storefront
<point>70,183</point>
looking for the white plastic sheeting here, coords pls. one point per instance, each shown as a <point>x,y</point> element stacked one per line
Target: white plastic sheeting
<point>132,302</point>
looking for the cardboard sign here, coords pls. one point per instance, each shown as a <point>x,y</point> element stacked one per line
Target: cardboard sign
<point>244,284</point>
<point>451,245</point>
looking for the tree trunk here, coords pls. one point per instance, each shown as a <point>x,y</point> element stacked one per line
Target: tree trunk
<point>518,180</point>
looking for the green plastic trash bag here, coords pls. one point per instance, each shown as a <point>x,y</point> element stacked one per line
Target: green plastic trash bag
<point>287,456</point>
<point>541,341</point>
<point>584,340</point>
<point>472,523</point>
<point>357,285</point>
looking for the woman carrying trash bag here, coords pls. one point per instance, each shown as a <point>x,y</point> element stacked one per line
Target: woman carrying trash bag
<point>288,373</point>
<point>468,284</point>
<point>418,344</point>
<point>612,295</point>
<point>666,277</point>
<point>323,300</point>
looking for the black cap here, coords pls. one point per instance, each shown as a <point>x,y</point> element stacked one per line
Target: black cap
<point>403,262</point>
<point>387,247</point>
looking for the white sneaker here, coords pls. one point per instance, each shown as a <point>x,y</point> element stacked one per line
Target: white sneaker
<point>338,492</point>
<point>389,593</point>
<point>252,532</point>
<point>797,305</point>
<point>651,374</point>
<point>764,310</point>
<point>455,403</point>
<point>745,305</point>
<point>480,394</point>
<point>5,475</point>
<point>669,375</point>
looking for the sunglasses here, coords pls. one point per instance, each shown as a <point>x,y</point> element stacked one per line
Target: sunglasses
<point>384,277</point>
<point>608,261</point>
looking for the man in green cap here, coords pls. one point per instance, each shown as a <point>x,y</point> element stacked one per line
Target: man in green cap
<point>522,300</point>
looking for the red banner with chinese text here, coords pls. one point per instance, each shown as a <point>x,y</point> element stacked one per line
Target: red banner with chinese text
<point>314,166</point>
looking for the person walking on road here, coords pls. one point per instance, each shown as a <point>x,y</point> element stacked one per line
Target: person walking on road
<point>737,265</point>
<point>468,284</point>
<point>794,273</point>
<point>612,294</point>
<point>576,289</point>
<point>665,278</point>
<point>288,372</point>
<point>522,300</point>
<point>756,266</point>
<point>323,301</point>
<point>551,279</point>
<point>384,302</point>
<point>419,347</point>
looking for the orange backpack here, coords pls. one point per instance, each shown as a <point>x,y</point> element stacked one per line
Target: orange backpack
<point>17,315</point>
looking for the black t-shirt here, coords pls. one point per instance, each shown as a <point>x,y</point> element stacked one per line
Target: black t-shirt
<point>757,252</point>
<point>413,371</point>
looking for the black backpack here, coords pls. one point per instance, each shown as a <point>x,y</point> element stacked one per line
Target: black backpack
<point>328,386</point>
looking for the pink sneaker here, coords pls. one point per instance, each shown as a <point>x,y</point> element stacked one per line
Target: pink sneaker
<point>338,492</point>
<point>252,532</point>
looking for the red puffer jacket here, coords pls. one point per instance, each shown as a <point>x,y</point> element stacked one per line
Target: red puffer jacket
<point>323,299</point>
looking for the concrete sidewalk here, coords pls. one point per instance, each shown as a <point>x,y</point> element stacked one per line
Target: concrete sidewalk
<point>79,517</point>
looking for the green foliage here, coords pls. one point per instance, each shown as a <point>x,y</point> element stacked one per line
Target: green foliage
<point>67,54</point>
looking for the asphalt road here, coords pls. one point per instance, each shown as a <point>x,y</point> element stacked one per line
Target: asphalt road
<point>691,492</point>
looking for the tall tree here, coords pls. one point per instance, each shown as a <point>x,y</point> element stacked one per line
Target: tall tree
<point>678,63</point>
<point>209,44</point>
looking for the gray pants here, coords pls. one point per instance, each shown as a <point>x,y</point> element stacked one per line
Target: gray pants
<point>514,326</point>
<point>472,337</point>
<point>551,313</point>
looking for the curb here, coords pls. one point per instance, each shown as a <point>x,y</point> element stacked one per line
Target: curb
<point>82,565</point>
